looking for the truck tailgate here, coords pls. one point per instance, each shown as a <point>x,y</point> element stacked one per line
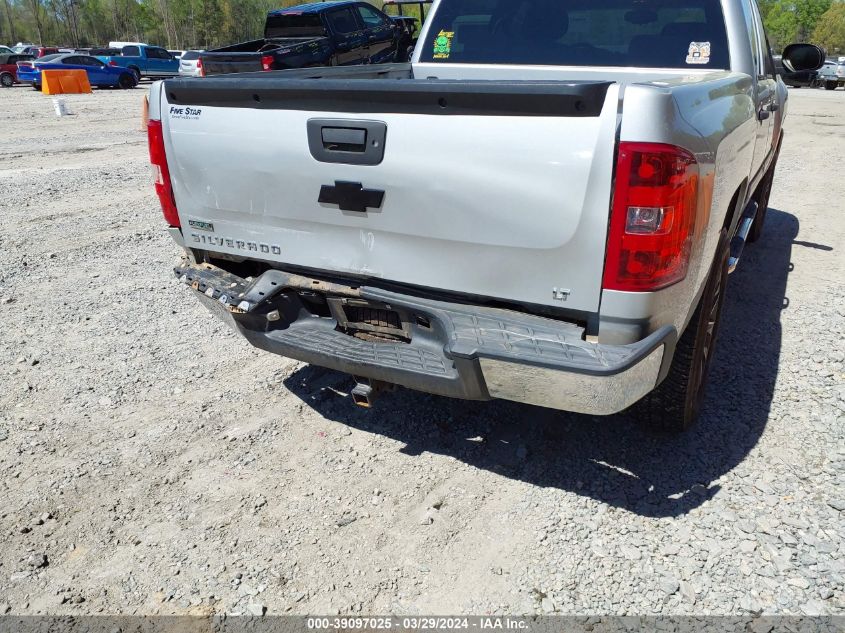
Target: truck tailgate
<point>498,189</point>
<point>223,63</point>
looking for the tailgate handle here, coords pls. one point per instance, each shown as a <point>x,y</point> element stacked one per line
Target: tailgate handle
<point>350,141</point>
<point>344,139</point>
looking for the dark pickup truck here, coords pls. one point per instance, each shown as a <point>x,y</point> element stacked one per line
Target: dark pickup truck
<point>317,34</point>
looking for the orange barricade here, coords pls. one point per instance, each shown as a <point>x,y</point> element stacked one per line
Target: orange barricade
<point>56,82</point>
<point>145,114</point>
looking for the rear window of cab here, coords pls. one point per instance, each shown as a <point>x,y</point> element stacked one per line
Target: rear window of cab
<point>293,25</point>
<point>649,34</point>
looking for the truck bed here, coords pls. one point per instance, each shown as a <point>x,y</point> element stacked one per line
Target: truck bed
<point>246,56</point>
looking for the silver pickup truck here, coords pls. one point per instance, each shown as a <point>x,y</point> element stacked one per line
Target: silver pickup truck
<point>542,206</point>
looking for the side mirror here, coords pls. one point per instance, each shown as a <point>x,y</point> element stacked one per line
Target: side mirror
<point>798,57</point>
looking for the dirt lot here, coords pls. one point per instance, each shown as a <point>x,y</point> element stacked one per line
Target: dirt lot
<point>151,462</point>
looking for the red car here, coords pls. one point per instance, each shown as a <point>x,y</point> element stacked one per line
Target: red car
<point>9,68</point>
<point>39,51</point>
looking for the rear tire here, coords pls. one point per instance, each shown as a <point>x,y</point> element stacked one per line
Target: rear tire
<point>764,190</point>
<point>830,85</point>
<point>675,405</point>
<point>126,81</point>
<point>136,73</point>
<point>6,80</point>
<point>36,87</point>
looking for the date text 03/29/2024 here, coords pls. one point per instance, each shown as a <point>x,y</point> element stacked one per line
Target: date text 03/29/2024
<point>480,623</point>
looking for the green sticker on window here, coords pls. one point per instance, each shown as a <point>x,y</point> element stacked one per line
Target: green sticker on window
<point>443,44</point>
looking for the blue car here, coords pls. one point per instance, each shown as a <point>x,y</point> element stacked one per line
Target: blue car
<point>99,74</point>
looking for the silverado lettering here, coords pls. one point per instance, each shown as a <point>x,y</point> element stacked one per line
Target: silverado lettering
<point>214,240</point>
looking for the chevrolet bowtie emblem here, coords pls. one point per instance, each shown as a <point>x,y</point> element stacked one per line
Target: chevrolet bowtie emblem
<point>351,196</point>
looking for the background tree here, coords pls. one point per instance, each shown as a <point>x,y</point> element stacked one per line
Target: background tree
<point>788,21</point>
<point>830,29</point>
<point>808,13</point>
<point>781,23</point>
<point>210,23</point>
<point>171,23</point>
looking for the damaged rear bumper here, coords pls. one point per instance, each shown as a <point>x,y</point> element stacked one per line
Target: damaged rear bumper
<point>451,349</point>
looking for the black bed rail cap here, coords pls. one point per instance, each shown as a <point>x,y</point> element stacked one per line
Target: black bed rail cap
<point>386,93</point>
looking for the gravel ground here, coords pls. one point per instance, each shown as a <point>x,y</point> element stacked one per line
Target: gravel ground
<point>151,462</point>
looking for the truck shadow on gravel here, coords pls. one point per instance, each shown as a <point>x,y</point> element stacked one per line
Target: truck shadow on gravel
<point>612,459</point>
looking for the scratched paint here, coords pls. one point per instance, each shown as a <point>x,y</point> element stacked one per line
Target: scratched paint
<point>368,239</point>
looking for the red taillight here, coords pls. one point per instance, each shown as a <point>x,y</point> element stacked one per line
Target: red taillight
<point>112,62</point>
<point>200,68</point>
<point>266,62</point>
<point>653,217</point>
<point>161,174</point>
